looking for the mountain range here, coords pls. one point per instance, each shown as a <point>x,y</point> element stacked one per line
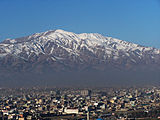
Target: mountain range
<point>55,56</point>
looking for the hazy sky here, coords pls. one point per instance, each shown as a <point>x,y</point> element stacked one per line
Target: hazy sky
<point>135,21</point>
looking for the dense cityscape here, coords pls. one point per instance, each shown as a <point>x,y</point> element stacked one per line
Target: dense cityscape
<point>79,103</point>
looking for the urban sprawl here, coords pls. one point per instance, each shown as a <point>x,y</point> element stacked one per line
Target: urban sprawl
<point>109,103</point>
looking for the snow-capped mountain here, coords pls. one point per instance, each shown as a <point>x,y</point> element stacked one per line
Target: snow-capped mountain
<point>59,50</point>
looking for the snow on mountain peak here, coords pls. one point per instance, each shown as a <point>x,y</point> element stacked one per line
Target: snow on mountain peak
<point>61,31</point>
<point>48,42</point>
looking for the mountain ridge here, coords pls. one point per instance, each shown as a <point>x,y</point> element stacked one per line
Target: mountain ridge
<point>57,51</point>
<point>59,45</point>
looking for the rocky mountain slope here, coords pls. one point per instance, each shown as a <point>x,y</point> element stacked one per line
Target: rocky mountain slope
<point>58,51</point>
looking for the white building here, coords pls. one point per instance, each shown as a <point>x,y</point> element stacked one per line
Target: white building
<point>71,111</point>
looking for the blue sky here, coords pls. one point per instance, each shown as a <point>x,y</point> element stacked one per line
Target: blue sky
<point>135,21</point>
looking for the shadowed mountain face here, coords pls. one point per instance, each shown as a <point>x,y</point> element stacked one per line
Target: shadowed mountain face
<point>62,58</point>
